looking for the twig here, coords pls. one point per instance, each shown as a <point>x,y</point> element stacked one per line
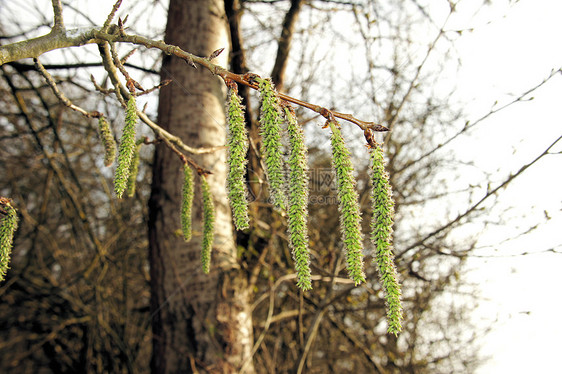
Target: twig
<point>130,82</point>
<point>245,79</point>
<point>293,276</point>
<point>248,360</point>
<point>184,159</point>
<point>51,82</point>
<point>121,93</point>
<point>472,208</point>
<point>57,12</point>
<point>313,330</point>
<point>111,15</point>
<point>155,88</point>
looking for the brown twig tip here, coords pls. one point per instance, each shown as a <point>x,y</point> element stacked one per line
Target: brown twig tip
<point>121,24</point>
<point>130,86</point>
<point>230,84</point>
<point>4,202</point>
<point>377,127</point>
<point>203,172</point>
<point>154,141</point>
<point>284,104</point>
<point>250,78</point>
<point>370,138</point>
<point>188,60</point>
<point>215,54</point>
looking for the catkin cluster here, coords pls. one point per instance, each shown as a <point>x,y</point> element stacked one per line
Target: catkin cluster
<point>272,148</point>
<point>128,167</point>
<point>298,200</point>
<point>237,141</point>
<point>8,225</point>
<point>381,237</point>
<point>288,195</point>
<point>295,202</point>
<point>350,214</point>
<point>107,140</point>
<point>126,148</point>
<point>208,225</point>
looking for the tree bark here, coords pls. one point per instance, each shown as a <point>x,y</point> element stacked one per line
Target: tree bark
<point>200,322</point>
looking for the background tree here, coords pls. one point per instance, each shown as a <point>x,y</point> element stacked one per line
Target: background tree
<point>207,320</point>
<point>77,296</point>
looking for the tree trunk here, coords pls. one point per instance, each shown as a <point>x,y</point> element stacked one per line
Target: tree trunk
<point>200,322</point>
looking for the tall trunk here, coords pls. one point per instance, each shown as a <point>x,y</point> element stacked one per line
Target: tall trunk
<point>200,322</point>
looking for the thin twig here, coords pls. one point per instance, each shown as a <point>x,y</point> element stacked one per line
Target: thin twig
<point>155,88</point>
<point>472,208</point>
<point>57,12</point>
<point>122,93</point>
<point>293,276</point>
<point>184,159</point>
<point>248,360</point>
<point>313,330</point>
<point>130,82</point>
<point>245,79</point>
<point>111,15</point>
<point>58,93</point>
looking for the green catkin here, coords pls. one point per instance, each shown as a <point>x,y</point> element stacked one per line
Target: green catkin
<point>126,148</point>
<point>237,141</point>
<point>350,214</point>
<point>298,201</point>
<point>107,140</point>
<point>381,237</point>
<point>270,131</point>
<point>208,225</point>
<point>186,202</point>
<point>8,225</point>
<point>134,169</point>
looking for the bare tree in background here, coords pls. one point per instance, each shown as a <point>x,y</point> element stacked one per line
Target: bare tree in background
<point>198,319</point>
<point>77,296</point>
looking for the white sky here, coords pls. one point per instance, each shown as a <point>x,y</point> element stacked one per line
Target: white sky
<point>521,292</point>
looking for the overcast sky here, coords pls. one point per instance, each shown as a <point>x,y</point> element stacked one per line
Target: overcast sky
<point>521,293</point>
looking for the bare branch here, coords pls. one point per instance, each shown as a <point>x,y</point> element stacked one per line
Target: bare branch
<point>278,72</point>
<point>61,39</point>
<point>470,125</point>
<point>111,15</point>
<point>56,39</point>
<point>57,11</point>
<point>61,96</point>
<point>477,204</point>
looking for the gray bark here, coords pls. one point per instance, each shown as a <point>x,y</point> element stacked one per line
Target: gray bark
<point>200,322</point>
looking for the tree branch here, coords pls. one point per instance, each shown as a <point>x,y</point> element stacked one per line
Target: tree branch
<point>278,72</point>
<point>477,204</point>
<point>57,11</point>
<point>57,39</point>
<point>51,82</point>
